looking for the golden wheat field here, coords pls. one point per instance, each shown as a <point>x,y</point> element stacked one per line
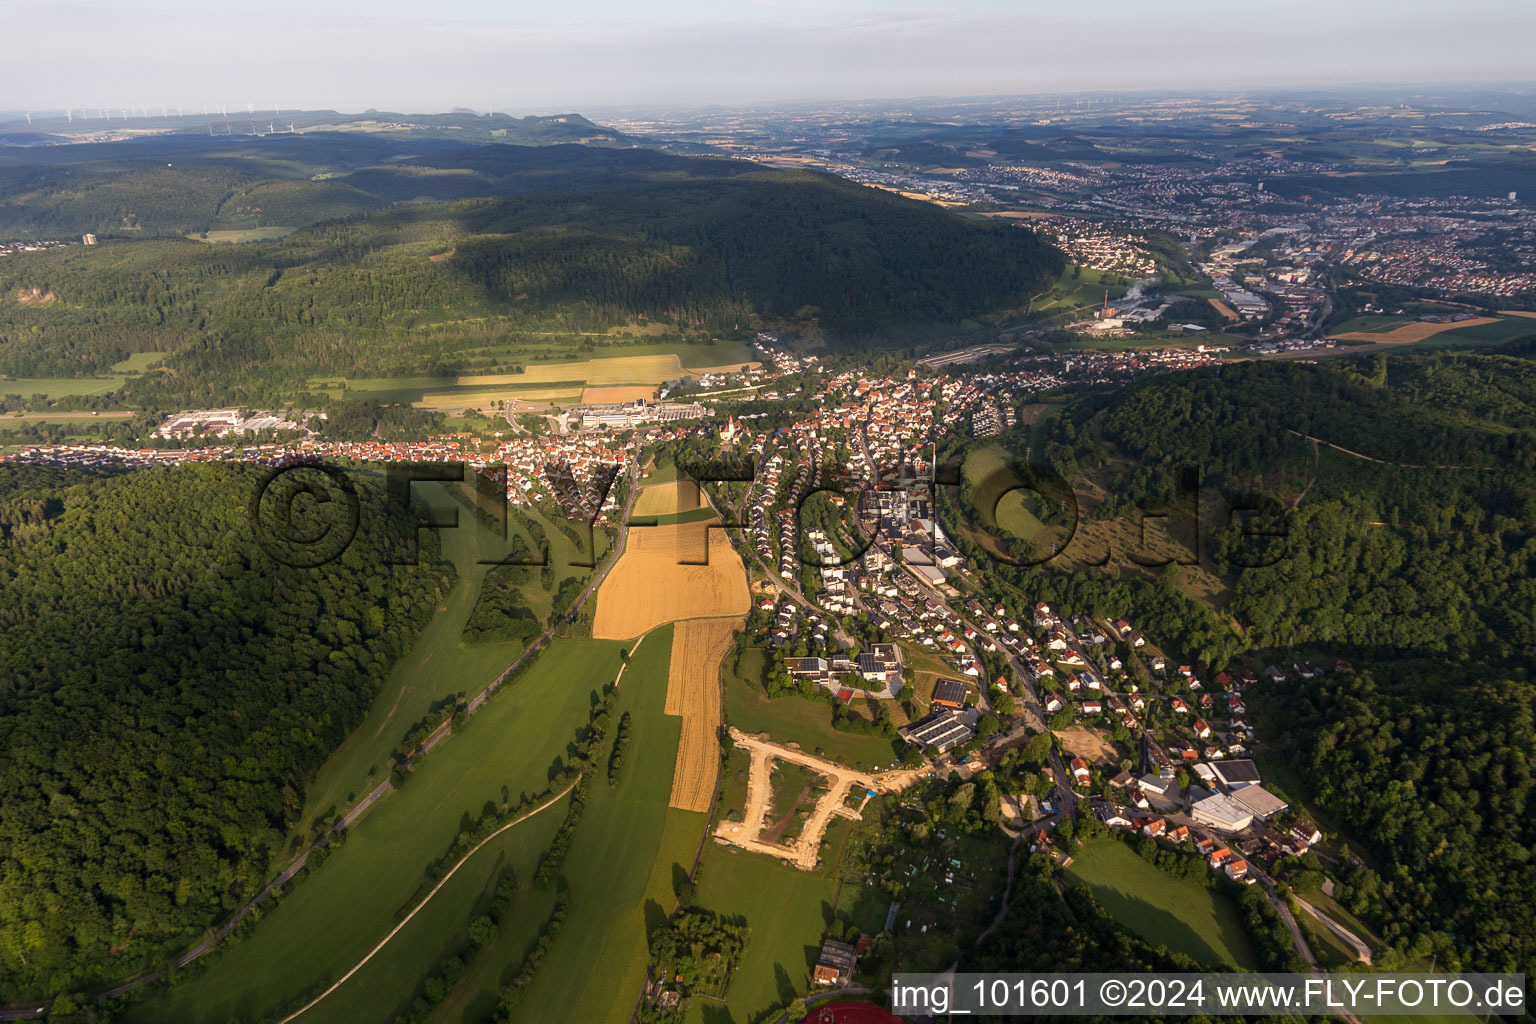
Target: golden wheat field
<point>693,691</point>
<point>648,586</point>
<point>1409,333</point>
<point>631,370</point>
<point>668,498</point>
<point>615,393</point>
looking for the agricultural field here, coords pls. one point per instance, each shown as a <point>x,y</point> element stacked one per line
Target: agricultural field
<point>236,235</point>
<point>439,665</point>
<point>1166,911</point>
<point>693,693</point>
<point>652,584</point>
<point>486,398</point>
<point>617,393</point>
<point>1372,323</point>
<point>1224,309</point>
<point>668,498</point>
<point>59,387</point>
<point>604,371</point>
<point>621,861</point>
<point>1472,333</point>
<point>1413,331</point>
<point>698,515</point>
<point>337,914</point>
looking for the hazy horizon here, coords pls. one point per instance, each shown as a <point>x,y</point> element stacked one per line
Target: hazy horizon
<point>687,54</point>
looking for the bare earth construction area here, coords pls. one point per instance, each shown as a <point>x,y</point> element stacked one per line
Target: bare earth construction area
<point>803,851</point>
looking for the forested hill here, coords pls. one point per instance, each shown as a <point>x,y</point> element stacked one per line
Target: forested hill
<point>1413,556</point>
<point>167,691</point>
<point>1419,538</point>
<point>183,184</point>
<point>457,126</point>
<point>611,236</point>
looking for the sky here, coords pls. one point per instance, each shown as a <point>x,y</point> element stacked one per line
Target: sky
<point>517,57</point>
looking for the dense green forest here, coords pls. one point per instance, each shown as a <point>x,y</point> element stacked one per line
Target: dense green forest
<point>167,691</point>
<point>437,288</point>
<point>1434,766</point>
<point>1412,555</point>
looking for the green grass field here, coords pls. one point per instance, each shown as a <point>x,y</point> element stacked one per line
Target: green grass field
<point>563,376</point>
<point>1166,911</point>
<point>987,471</point>
<point>58,387</point>
<point>796,720</point>
<point>439,665</point>
<point>139,362</point>
<point>1373,323</point>
<point>787,912</point>
<point>229,235</point>
<point>663,470</point>
<point>391,979</point>
<point>16,418</point>
<point>621,862</point>
<point>335,916</point>
<point>697,515</point>
<point>1078,288</point>
<point>1481,334</point>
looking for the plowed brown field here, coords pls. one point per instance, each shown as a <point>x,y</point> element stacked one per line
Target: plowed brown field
<point>693,691</point>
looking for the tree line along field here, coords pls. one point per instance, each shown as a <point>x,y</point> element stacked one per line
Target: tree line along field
<point>340,911</point>
<point>439,666</point>
<point>620,866</point>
